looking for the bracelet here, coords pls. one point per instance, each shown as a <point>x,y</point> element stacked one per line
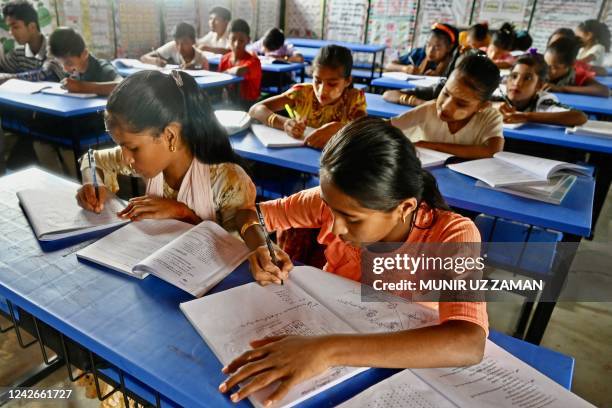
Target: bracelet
<point>246,226</point>
<point>412,100</point>
<point>402,99</point>
<point>271,119</point>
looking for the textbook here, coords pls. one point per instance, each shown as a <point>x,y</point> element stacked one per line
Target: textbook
<point>431,158</point>
<point>552,192</point>
<point>592,128</point>
<point>233,121</point>
<point>311,302</point>
<point>192,258</point>
<point>55,214</point>
<point>510,169</point>
<point>51,88</point>
<point>500,380</point>
<point>272,137</point>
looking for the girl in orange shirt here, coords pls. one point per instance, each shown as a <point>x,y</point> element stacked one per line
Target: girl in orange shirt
<point>373,189</point>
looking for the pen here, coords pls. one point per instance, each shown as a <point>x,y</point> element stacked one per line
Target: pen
<point>268,240</point>
<point>92,168</point>
<point>290,111</point>
<point>505,97</point>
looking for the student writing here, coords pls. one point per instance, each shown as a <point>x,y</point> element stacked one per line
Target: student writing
<point>327,104</point>
<point>373,189</point>
<point>461,121</point>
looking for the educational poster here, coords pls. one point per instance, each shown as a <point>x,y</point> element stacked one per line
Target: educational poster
<point>304,18</point>
<point>47,20</point>
<point>392,23</point>
<point>94,20</point>
<point>137,24</point>
<point>178,11</point>
<point>455,12</point>
<point>497,12</point>
<point>246,10</point>
<point>345,20</point>
<point>268,15</point>
<point>553,14</point>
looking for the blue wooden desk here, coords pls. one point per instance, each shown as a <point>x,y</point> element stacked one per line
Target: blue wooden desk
<point>586,103</point>
<point>606,80</point>
<point>72,110</point>
<point>136,325</point>
<point>205,82</point>
<point>377,106</point>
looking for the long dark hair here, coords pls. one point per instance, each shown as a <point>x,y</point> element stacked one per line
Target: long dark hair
<point>600,32</point>
<point>150,100</point>
<point>374,162</point>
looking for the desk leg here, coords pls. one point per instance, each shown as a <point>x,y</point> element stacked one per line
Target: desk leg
<point>551,292</point>
<point>76,146</point>
<point>303,74</point>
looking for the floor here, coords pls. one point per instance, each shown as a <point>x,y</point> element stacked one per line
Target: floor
<point>579,329</point>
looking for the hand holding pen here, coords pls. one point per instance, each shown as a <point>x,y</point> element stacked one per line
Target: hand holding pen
<point>294,127</point>
<point>92,196</point>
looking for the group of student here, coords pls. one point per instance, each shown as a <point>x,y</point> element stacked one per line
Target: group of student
<point>372,185</point>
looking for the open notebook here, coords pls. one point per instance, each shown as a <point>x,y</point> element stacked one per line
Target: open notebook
<point>51,88</point>
<point>508,169</point>
<point>592,128</point>
<point>271,137</point>
<point>312,302</point>
<point>134,63</point>
<point>192,258</point>
<point>552,192</point>
<point>233,121</point>
<point>54,213</point>
<point>499,381</point>
<point>432,158</point>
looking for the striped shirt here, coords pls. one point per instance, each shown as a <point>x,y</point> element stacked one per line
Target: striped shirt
<point>22,63</point>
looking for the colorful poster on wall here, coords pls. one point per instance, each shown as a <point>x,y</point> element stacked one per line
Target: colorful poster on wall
<point>497,12</point>
<point>345,20</point>
<point>455,12</point>
<point>47,20</point>
<point>392,23</point>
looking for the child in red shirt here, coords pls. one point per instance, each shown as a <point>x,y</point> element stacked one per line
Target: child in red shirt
<point>241,63</point>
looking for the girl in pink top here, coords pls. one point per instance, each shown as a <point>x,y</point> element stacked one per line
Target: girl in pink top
<point>373,189</point>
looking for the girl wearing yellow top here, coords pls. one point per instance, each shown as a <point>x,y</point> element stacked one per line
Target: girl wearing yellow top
<point>461,121</point>
<point>327,104</point>
<point>373,189</point>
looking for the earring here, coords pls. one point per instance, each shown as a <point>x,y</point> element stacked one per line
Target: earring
<point>172,148</point>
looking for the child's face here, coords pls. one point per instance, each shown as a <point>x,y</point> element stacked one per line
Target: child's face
<point>75,65</point>
<point>329,83</point>
<point>522,84</point>
<point>556,69</point>
<point>457,101</point>
<point>585,37</point>
<point>144,152</point>
<point>353,223</point>
<point>493,52</point>
<point>185,47</point>
<point>437,48</point>
<point>21,32</point>
<point>472,42</point>
<point>238,43</point>
<point>217,24</point>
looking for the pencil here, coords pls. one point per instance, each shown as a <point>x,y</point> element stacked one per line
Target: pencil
<point>268,240</point>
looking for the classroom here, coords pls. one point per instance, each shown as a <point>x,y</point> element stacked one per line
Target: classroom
<point>278,203</point>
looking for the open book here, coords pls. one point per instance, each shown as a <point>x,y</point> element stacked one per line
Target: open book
<point>192,258</point>
<point>416,80</point>
<point>54,213</point>
<point>233,121</point>
<point>592,128</point>
<point>509,169</point>
<point>499,381</point>
<point>432,158</point>
<point>271,137</point>
<point>312,302</point>
<point>30,88</point>
<point>134,63</point>
<point>552,192</point>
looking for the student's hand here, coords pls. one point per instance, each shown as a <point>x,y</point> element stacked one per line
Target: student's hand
<point>160,62</point>
<point>149,207</point>
<point>392,96</point>
<point>317,139</point>
<point>86,197</point>
<point>511,115</point>
<point>408,69</point>
<point>262,268</point>
<point>289,360</point>
<point>294,128</point>
<point>72,85</point>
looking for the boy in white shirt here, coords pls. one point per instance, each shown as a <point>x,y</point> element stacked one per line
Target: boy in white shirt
<point>217,39</point>
<point>181,51</point>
